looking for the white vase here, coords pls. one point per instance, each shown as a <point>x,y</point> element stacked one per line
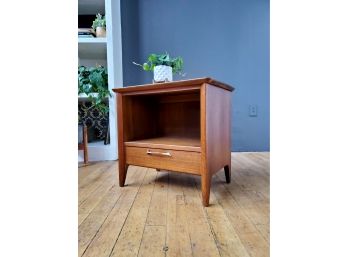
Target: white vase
<point>100,32</point>
<point>162,73</point>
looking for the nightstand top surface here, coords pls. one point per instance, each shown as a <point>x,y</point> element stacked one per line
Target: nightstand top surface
<point>174,84</point>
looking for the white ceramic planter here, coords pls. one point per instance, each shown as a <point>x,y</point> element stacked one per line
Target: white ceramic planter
<point>100,32</point>
<point>162,73</point>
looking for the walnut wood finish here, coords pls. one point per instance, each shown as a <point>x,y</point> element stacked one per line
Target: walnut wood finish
<point>174,143</point>
<point>181,161</point>
<point>121,137</point>
<point>217,128</point>
<point>181,85</point>
<point>180,126</point>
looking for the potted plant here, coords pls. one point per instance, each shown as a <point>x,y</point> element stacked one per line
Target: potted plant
<point>99,25</point>
<point>93,83</point>
<point>162,66</point>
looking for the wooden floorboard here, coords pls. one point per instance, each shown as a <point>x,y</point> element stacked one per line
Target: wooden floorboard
<point>129,240</point>
<point>160,213</point>
<point>106,237</point>
<point>178,238</point>
<point>93,182</point>
<point>203,242</point>
<point>91,171</point>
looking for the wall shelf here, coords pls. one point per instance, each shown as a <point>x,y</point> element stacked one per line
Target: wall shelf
<point>92,40</point>
<point>108,53</point>
<point>92,48</point>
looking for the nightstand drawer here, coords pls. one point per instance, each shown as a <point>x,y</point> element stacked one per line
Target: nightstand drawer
<point>182,161</point>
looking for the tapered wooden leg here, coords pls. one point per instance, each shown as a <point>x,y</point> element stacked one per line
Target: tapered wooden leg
<point>227,169</point>
<point>85,145</point>
<point>85,154</point>
<point>205,183</point>
<point>122,173</point>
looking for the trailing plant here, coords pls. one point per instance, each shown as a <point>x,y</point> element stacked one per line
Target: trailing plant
<point>99,21</point>
<point>94,80</point>
<point>162,59</point>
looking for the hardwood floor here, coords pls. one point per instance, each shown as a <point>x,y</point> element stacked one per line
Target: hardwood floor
<point>161,213</point>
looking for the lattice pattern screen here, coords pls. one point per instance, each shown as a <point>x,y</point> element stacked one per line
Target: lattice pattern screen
<point>96,121</point>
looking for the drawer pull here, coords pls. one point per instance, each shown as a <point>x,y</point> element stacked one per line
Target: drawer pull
<point>158,153</point>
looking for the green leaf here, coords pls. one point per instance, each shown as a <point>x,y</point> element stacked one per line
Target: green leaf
<point>146,66</point>
<point>94,80</point>
<point>99,21</point>
<point>152,58</point>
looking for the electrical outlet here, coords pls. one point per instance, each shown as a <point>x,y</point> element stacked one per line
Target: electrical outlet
<point>253,110</point>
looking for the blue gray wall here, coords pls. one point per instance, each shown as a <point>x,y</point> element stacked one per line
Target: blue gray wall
<point>224,39</point>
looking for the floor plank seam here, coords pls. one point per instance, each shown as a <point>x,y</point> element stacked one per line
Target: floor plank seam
<point>236,231</point>
<point>235,224</point>
<point>234,178</point>
<point>95,206</point>
<point>100,226</point>
<point>142,236</point>
<point>87,171</point>
<point>189,234</point>
<point>247,192</point>
<point>267,240</point>
<point>165,241</point>
<point>99,170</point>
<point>207,218</point>
<point>101,182</point>
<point>119,197</point>
<point>243,211</point>
<point>97,188</point>
<point>142,181</point>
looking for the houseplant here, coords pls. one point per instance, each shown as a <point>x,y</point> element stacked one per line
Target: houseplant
<point>163,66</point>
<point>99,25</point>
<point>93,83</point>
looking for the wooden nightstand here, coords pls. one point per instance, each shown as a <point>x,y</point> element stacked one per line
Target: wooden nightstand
<point>182,126</point>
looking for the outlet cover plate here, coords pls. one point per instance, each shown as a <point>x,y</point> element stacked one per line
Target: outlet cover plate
<point>253,110</point>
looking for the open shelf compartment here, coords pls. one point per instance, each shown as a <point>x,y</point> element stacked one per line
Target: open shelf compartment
<point>164,120</point>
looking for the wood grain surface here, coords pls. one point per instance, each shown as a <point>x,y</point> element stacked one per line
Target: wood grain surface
<point>160,213</point>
